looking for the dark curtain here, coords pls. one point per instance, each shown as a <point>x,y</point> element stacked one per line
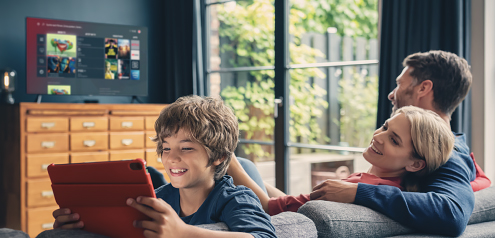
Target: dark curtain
<point>177,70</point>
<point>410,26</point>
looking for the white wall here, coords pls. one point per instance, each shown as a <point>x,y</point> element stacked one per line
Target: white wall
<point>483,88</point>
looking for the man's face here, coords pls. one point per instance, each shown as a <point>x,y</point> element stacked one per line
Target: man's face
<point>402,95</point>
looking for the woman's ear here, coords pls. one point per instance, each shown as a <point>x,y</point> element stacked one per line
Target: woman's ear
<point>417,165</point>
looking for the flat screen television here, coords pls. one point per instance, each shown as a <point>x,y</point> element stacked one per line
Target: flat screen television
<point>82,58</point>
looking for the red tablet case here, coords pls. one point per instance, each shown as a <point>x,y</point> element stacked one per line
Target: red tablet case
<point>98,193</point>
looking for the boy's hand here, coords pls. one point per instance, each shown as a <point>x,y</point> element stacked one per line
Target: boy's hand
<point>65,220</point>
<point>165,219</point>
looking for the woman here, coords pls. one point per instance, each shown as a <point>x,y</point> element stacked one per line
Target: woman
<point>414,142</point>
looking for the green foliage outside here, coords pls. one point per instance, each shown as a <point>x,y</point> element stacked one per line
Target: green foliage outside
<point>249,29</point>
<point>358,103</point>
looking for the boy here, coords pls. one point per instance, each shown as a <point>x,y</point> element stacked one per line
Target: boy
<point>196,138</point>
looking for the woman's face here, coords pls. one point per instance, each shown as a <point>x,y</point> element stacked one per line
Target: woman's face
<point>390,150</point>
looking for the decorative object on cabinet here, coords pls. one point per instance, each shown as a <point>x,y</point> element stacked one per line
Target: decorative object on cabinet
<point>8,84</point>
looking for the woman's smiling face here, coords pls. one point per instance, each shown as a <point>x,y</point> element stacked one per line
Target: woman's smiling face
<point>390,151</point>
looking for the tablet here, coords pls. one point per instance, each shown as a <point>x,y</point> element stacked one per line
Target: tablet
<point>98,192</point>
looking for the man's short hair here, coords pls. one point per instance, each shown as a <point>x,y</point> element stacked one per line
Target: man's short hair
<point>449,73</point>
<point>207,121</point>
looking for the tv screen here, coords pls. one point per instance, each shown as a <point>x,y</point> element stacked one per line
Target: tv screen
<point>82,58</point>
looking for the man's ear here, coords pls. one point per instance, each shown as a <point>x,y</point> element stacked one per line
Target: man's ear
<point>416,166</point>
<point>424,88</point>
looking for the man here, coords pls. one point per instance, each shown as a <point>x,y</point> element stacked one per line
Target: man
<point>436,81</point>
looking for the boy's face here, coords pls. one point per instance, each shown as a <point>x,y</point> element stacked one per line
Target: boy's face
<point>185,162</point>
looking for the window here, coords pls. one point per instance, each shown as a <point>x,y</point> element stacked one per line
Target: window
<point>330,82</point>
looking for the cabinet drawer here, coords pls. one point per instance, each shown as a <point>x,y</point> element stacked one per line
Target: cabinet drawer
<point>89,124</point>
<point>37,163</point>
<point>126,123</point>
<point>83,157</point>
<point>89,141</point>
<point>153,160</point>
<point>126,140</point>
<point>150,122</point>
<point>149,143</point>
<point>47,142</point>
<point>47,124</point>
<point>39,193</point>
<point>126,154</point>
<point>39,220</point>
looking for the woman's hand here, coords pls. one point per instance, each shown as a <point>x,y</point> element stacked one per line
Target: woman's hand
<point>335,190</point>
<point>165,221</point>
<point>65,220</point>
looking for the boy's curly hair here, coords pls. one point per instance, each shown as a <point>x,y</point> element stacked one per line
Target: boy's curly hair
<point>207,121</point>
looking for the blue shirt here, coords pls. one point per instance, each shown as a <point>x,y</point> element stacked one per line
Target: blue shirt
<point>237,206</point>
<point>444,204</point>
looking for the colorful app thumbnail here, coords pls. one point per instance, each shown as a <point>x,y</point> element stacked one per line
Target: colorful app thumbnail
<point>124,49</point>
<point>61,45</point>
<point>111,48</point>
<point>53,63</point>
<point>111,68</point>
<point>68,65</point>
<point>59,89</point>
<point>134,45</point>
<point>123,70</point>
<point>134,74</point>
<point>134,54</point>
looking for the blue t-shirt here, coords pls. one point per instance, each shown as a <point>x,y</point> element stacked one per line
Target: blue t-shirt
<point>237,206</point>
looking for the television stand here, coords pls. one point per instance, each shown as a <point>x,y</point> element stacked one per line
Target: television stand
<point>38,98</point>
<point>136,98</point>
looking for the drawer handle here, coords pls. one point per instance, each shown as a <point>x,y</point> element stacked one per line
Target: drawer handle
<point>88,124</point>
<point>89,143</point>
<point>47,194</point>
<point>127,141</point>
<point>47,125</point>
<point>47,226</point>
<point>127,124</point>
<point>47,144</point>
<point>44,167</point>
<point>159,160</point>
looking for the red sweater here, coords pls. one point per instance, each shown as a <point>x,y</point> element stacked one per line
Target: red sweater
<point>292,203</point>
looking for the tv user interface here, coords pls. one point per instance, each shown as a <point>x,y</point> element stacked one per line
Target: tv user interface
<point>82,58</point>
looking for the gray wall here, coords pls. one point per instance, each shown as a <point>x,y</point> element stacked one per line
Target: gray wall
<point>147,13</point>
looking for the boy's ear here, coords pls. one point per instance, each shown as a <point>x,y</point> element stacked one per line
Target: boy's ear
<point>416,166</point>
<point>217,162</point>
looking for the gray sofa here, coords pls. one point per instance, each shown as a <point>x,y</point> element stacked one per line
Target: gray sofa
<point>329,219</point>
<point>349,220</point>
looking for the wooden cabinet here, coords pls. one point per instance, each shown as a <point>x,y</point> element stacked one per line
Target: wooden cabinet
<point>32,136</point>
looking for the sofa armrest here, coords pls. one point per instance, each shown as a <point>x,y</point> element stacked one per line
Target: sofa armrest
<point>484,206</point>
<point>333,219</point>
<point>287,225</point>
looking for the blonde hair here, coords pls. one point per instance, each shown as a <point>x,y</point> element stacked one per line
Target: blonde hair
<point>207,121</point>
<point>432,141</point>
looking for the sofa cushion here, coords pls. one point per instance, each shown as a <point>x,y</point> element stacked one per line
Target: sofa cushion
<point>484,206</point>
<point>334,219</point>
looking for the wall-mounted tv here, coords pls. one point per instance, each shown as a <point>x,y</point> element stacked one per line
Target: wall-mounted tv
<point>82,58</point>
